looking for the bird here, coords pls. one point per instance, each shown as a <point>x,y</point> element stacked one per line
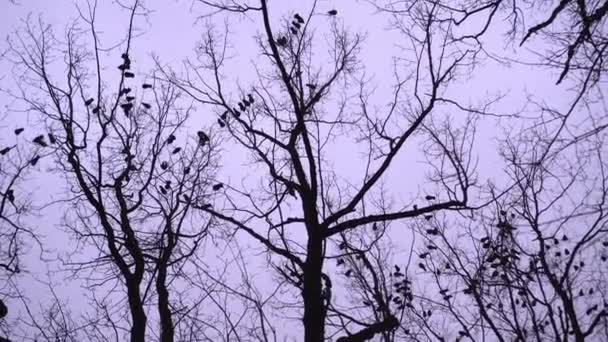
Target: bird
<point>296,24</point>
<point>3,309</point>
<point>164,165</point>
<point>168,184</point>
<point>52,138</point>
<point>221,123</point>
<point>96,110</point>
<point>5,150</point>
<point>428,217</point>
<point>348,273</point>
<point>186,170</point>
<point>340,262</point>
<point>421,265</point>
<point>88,102</point>
<point>146,105</point>
<point>217,186</point>
<point>298,18</point>
<point>40,141</point>
<point>34,160</point>
<point>293,30</point>
<point>10,195</point>
<point>236,113</point>
<point>424,255</point>
<point>129,74</point>
<point>146,86</point>
<point>282,41</point>
<point>19,130</point>
<point>126,90</point>
<point>332,12</point>
<point>429,197</point>
<point>130,98</point>
<point>250,98</point>
<point>176,150</point>
<point>186,198</point>
<point>171,139</point>
<point>564,238</point>
<point>242,106</point>
<point>162,190</point>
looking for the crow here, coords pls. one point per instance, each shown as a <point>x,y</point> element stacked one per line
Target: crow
<point>250,98</point>
<point>123,67</point>
<point>162,190</point>
<point>236,113</point>
<point>40,141</point>
<point>242,106</point>
<point>298,18</point>
<point>171,139</point>
<point>164,165</point>
<point>5,150</point>
<point>424,255</point>
<point>421,265</point>
<point>168,185</point>
<point>348,273</point>
<point>10,195</point>
<point>217,186</point>
<point>428,217</point>
<point>186,170</point>
<point>125,91</point>
<point>221,123</point>
<point>311,86</point>
<point>146,105</point>
<point>429,197</point>
<point>146,86</point>
<point>129,74</point>
<point>19,131</point>
<point>34,160</point>
<point>186,198</point>
<point>88,102</point>
<point>52,138</point>
<point>246,103</point>
<point>340,262</point>
<point>293,30</point>
<point>176,150</point>
<point>332,12</point>
<point>282,41</point>
<point>296,24</point>
<point>130,98</point>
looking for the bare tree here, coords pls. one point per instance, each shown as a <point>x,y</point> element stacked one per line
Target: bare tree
<point>290,119</point>
<point>133,172</point>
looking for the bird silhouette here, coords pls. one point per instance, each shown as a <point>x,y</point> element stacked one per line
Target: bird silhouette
<point>3,309</point>
<point>171,139</point>
<point>298,18</point>
<point>282,41</point>
<point>168,184</point>
<point>88,102</point>
<point>332,12</point>
<point>428,217</point>
<point>130,98</point>
<point>348,273</point>
<point>96,110</point>
<point>40,141</point>
<point>34,160</point>
<point>129,74</point>
<point>186,170</point>
<point>10,195</point>
<point>236,113</point>
<point>424,255</point>
<point>19,130</point>
<point>250,98</point>
<point>202,137</point>
<point>340,261</point>
<point>176,150</point>
<point>429,197</point>
<point>146,105</point>
<point>146,86</point>
<point>221,123</point>
<point>162,190</point>
<point>296,24</point>
<point>217,186</point>
<point>421,265</point>
<point>186,198</point>
<point>52,138</point>
<point>164,165</point>
<point>246,103</point>
<point>242,106</point>
<point>5,150</point>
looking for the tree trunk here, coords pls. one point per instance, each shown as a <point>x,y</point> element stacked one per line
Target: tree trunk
<point>164,311</point>
<point>138,327</point>
<point>314,307</point>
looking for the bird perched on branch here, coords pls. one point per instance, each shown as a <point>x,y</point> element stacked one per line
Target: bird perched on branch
<point>34,160</point>
<point>217,186</point>
<point>298,18</point>
<point>282,41</point>
<point>19,131</point>
<point>52,138</point>
<point>88,102</point>
<point>332,12</point>
<point>5,150</point>
<point>40,141</point>
<point>171,139</point>
<point>146,86</point>
<point>129,74</point>
<point>146,105</point>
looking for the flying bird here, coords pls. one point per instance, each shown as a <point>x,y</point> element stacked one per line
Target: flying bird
<point>332,12</point>
<point>221,123</point>
<point>217,186</point>
<point>88,102</point>
<point>40,141</point>
<point>52,138</point>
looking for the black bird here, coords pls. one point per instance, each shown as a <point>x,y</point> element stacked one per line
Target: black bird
<point>146,105</point>
<point>217,186</point>
<point>202,137</point>
<point>96,110</point>
<point>296,24</point>
<point>424,255</point>
<point>168,185</point>
<point>171,139</point>
<point>5,150</point>
<point>282,41</point>
<point>236,113</point>
<point>10,195</point>
<point>187,198</point>
<point>164,165</point>
<point>146,86</point>
<point>421,265</point>
<point>348,273</point>
<point>429,197</point>
<point>123,67</point>
<point>34,160</point>
<point>186,170</point>
<point>340,262</point>
<point>375,226</point>
<point>3,309</point>
<point>564,238</point>
<point>332,12</point>
<point>129,74</point>
<point>242,106</point>
<point>221,123</point>
<point>162,190</point>
<point>293,30</point>
<point>342,245</point>
<point>40,141</point>
<point>428,217</point>
<point>250,98</point>
<point>88,102</point>
<point>125,91</point>
<point>52,138</point>
<point>19,131</point>
<point>176,150</point>
<point>130,98</point>
<point>298,18</point>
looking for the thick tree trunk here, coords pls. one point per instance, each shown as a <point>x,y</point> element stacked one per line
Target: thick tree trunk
<point>138,315</point>
<point>164,311</point>
<point>314,306</point>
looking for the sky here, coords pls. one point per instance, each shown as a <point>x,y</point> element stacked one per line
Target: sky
<point>173,29</point>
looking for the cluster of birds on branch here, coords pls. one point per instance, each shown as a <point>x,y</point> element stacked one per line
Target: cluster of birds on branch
<point>243,105</point>
<point>296,25</point>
